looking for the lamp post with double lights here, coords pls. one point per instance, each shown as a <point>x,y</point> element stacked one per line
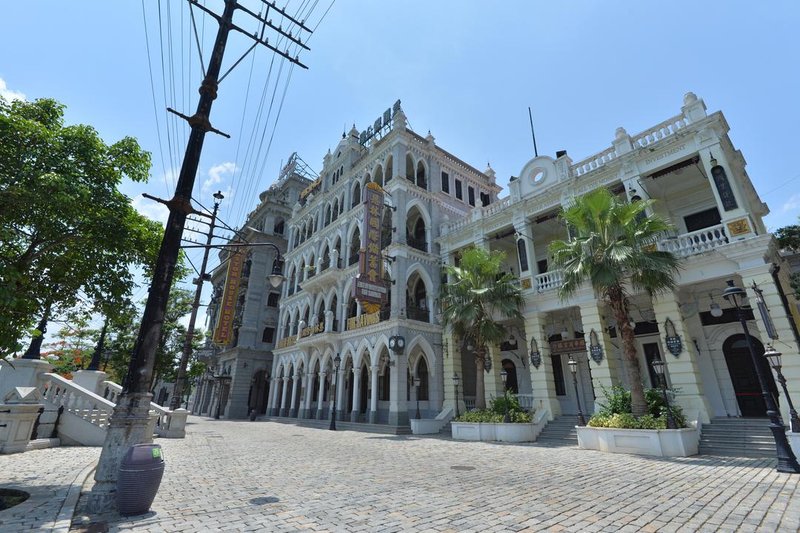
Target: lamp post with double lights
<point>774,357</point>
<point>336,362</point>
<point>456,382</point>
<point>417,383</point>
<point>787,462</point>
<point>504,377</point>
<point>658,368</point>
<point>573,368</point>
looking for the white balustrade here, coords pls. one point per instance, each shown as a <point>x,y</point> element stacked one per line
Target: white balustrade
<point>660,131</point>
<point>164,423</point>
<point>695,242</point>
<point>594,162</point>
<point>548,281</point>
<point>85,404</point>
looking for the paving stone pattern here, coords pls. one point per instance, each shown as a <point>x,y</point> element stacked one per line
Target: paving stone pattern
<point>47,475</point>
<point>264,476</point>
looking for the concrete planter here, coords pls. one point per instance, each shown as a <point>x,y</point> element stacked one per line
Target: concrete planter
<point>490,432</point>
<point>794,442</point>
<point>658,442</point>
<point>426,426</point>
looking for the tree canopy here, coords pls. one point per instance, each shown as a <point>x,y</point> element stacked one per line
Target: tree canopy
<point>65,228</point>
<point>613,243</point>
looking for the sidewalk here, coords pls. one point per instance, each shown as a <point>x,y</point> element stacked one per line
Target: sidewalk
<point>53,478</point>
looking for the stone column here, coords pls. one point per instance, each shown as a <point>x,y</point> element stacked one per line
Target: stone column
<point>308,395</point>
<point>786,342</point>
<point>398,405</point>
<point>273,404</point>
<point>542,380</point>
<point>320,392</point>
<point>356,395</point>
<point>683,370</point>
<point>284,394</point>
<point>295,386</point>
<point>604,374</point>
<point>90,380</point>
<point>340,407</point>
<point>373,395</point>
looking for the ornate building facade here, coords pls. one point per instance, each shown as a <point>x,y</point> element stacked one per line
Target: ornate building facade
<point>697,177</point>
<point>423,187</point>
<point>239,363</point>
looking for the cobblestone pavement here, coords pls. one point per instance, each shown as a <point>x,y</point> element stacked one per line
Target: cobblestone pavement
<point>266,476</point>
<point>48,476</point>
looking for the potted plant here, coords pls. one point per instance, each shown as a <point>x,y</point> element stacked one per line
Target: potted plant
<point>615,429</point>
<point>487,424</point>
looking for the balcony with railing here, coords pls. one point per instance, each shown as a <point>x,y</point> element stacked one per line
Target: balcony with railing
<point>418,313</point>
<point>417,244</point>
<point>325,278</point>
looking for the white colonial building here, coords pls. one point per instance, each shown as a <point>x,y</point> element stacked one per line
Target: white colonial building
<point>424,188</point>
<point>697,177</point>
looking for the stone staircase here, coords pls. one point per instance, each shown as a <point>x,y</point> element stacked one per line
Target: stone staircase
<point>559,432</point>
<point>737,437</point>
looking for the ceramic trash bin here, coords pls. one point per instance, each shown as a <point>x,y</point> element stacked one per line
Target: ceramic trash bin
<point>139,477</point>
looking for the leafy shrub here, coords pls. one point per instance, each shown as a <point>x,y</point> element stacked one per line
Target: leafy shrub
<point>480,415</point>
<point>616,412</point>
<point>496,412</point>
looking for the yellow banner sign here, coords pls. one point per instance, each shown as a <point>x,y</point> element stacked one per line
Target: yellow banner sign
<point>224,332</point>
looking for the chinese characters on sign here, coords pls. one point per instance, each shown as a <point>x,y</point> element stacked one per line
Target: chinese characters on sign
<point>369,286</point>
<point>224,332</point>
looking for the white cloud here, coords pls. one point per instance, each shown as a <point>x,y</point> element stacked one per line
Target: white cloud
<point>216,174</point>
<point>151,209</point>
<point>8,94</point>
<point>792,204</point>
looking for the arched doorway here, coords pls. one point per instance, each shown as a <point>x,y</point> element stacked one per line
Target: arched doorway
<point>511,376</point>
<point>259,392</point>
<point>743,375</point>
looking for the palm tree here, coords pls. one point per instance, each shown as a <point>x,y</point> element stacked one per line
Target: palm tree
<point>613,243</point>
<point>476,294</point>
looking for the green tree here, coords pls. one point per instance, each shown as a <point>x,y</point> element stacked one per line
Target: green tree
<point>64,225</point>
<point>613,243</point>
<point>789,239</point>
<point>478,294</point>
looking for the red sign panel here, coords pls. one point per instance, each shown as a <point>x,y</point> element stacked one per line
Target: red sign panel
<point>369,286</point>
<point>227,309</point>
<point>567,346</point>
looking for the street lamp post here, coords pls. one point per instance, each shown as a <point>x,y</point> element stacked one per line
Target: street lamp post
<point>417,383</point>
<point>787,462</point>
<point>658,367</point>
<point>774,358</point>
<point>456,382</point>
<point>336,362</point>
<point>573,367</point>
<point>504,377</point>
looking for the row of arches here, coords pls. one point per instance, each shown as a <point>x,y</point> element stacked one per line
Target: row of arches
<point>416,171</point>
<point>305,388</point>
<point>333,308</point>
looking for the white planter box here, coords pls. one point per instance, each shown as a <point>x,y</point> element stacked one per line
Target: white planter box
<point>794,442</point>
<point>426,426</point>
<point>489,432</point>
<point>658,442</point>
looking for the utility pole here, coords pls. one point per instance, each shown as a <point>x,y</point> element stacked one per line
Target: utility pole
<point>130,421</point>
<point>180,380</point>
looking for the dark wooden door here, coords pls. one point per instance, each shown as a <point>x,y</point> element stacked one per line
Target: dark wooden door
<point>743,375</point>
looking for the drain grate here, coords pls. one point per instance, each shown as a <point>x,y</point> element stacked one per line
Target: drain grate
<point>460,467</point>
<point>264,500</point>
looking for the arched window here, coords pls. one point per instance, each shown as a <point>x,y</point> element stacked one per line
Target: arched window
<point>386,228</point>
<point>278,228</point>
<point>409,168</point>
<point>389,173</point>
<point>378,176</point>
<point>352,308</point>
<point>355,246</point>
<point>356,195</point>
<point>422,374</point>
<point>327,214</point>
<point>415,230</point>
<point>332,308</point>
<point>422,180</point>
<point>335,214</point>
<point>417,299</point>
<point>325,261</point>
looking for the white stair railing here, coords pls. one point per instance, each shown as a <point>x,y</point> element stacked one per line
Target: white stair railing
<point>169,423</point>
<point>85,404</point>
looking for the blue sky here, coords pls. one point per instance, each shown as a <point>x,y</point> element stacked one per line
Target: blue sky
<point>465,70</point>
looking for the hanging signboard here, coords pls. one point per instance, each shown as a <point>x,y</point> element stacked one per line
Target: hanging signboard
<point>227,309</point>
<point>369,286</point>
<point>567,346</point>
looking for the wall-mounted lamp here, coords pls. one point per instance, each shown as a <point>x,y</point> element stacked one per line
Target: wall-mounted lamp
<point>673,341</point>
<point>595,348</point>
<point>712,160</point>
<point>714,308</point>
<point>535,354</point>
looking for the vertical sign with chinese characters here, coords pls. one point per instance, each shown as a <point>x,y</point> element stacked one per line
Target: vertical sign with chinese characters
<point>369,287</point>
<point>224,332</point>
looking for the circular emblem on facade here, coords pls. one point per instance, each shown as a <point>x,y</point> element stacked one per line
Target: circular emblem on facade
<point>538,175</point>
